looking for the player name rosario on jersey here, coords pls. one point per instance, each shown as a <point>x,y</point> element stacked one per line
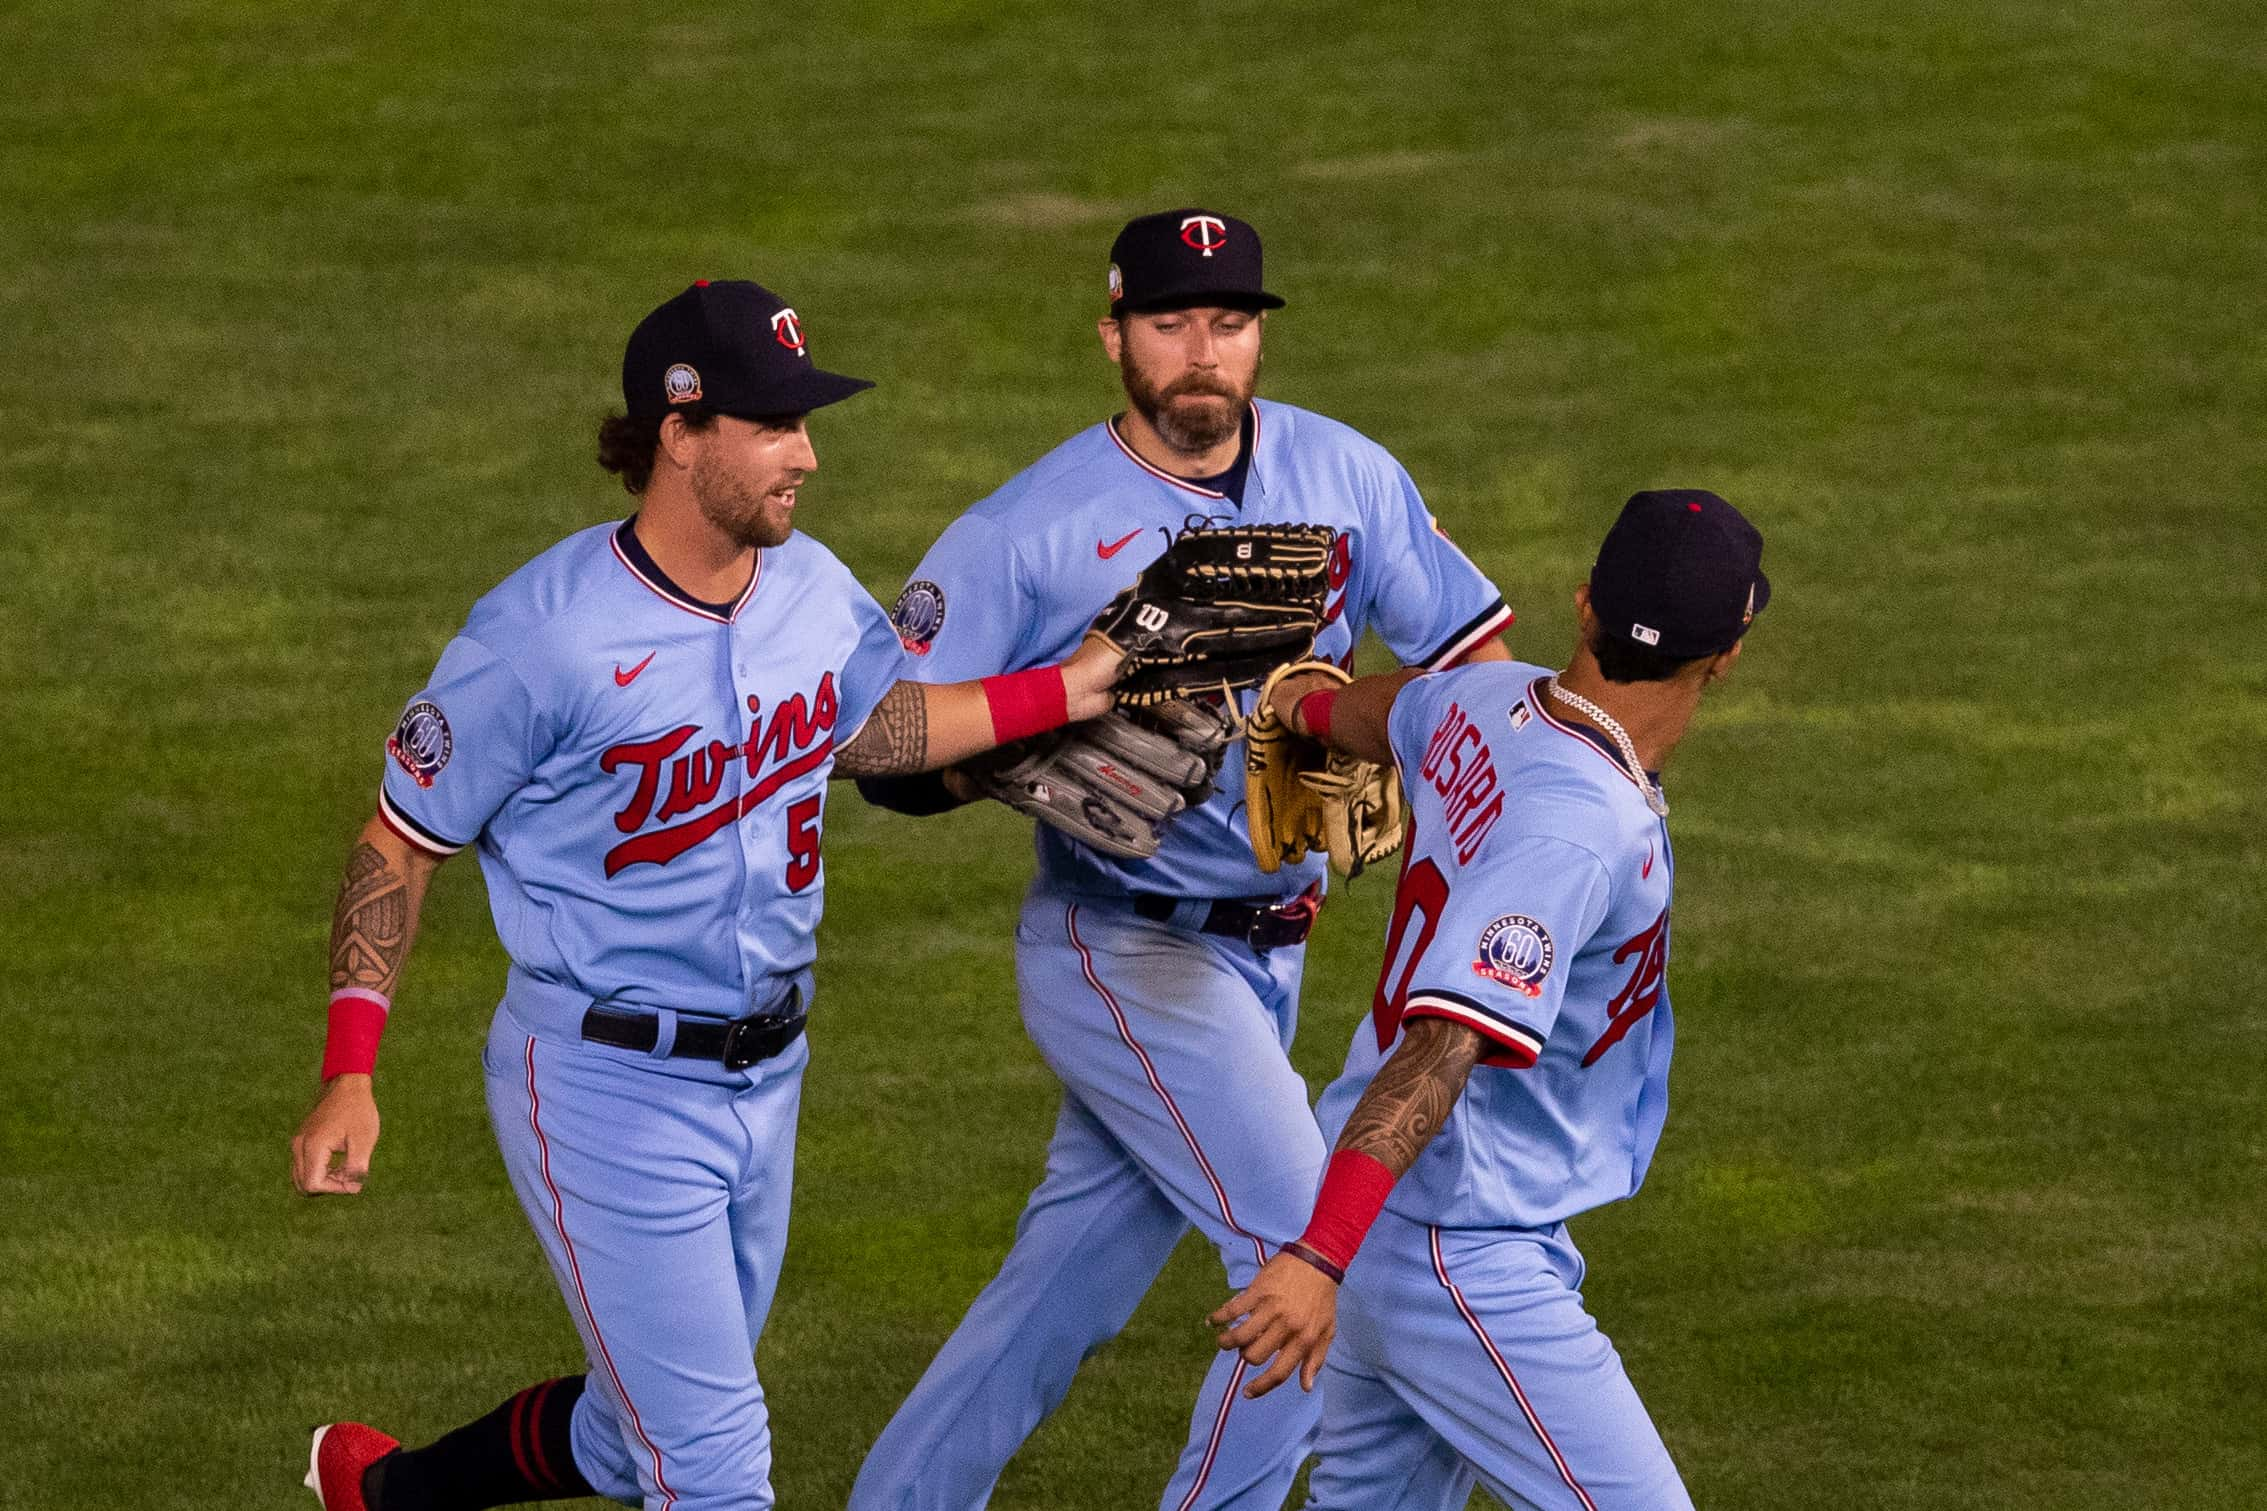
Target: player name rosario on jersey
<point>1017,579</point>
<point>644,774</point>
<point>1533,908</point>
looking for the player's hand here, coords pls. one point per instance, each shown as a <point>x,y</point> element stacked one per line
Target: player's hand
<point>1088,675</point>
<point>1289,691</point>
<point>344,1122</point>
<point>1288,1314</point>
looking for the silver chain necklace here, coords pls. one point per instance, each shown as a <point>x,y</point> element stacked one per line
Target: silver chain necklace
<point>1606,721</point>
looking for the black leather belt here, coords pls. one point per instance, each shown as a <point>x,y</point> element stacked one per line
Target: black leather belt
<point>1262,925</point>
<point>735,1043</point>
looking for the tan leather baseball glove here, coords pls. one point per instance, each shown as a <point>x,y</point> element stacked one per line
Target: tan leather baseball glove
<point>1299,795</point>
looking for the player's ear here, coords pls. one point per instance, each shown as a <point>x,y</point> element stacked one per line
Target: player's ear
<point>679,443</point>
<point>1585,620</point>
<point>1720,665</point>
<point>1113,336</point>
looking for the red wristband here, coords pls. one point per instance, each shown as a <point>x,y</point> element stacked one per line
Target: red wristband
<point>1313,711</point>
<point>1027,703</point>
<point>1354,1190</point>
<point>358,1018</point>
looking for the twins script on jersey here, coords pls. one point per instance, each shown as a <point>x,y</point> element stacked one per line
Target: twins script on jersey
<point>645,774</point>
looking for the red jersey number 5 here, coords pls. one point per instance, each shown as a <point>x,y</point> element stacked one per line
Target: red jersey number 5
<point>802,843</point>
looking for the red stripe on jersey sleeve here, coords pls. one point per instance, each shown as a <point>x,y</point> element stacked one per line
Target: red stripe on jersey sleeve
<point>409,831</point>
<point>1511,1044</point>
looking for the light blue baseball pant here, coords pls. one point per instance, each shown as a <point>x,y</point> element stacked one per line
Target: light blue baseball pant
<point>1179,1107</point>
<point>1465,1355</point>
<point>660,1189</point>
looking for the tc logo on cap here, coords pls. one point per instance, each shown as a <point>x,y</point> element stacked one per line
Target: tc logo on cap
<point>681,384</point>
<point>1204,233</point>
<point>788,331</point>
<point>1117,284</point>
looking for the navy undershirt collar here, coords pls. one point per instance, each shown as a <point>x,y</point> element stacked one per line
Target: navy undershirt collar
<point>627,538</point>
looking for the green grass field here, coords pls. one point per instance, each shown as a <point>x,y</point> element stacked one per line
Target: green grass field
<point>306,316</point>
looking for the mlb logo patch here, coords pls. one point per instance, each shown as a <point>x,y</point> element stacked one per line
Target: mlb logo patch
<point>1520,714</point>
<point>1645,634</point>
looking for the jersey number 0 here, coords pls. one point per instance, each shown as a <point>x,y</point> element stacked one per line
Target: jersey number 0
<point>1423,890</point>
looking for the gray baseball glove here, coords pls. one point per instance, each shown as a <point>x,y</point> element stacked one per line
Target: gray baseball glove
<point>1113,782</point>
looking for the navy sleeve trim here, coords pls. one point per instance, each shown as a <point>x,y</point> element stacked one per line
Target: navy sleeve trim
<point>413,832</point>
<point>1520,1045</point>
<point>1492,620</point>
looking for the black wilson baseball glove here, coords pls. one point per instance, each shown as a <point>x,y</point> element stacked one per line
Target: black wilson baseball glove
<point>1113,782</point>
<point>1219,610</point>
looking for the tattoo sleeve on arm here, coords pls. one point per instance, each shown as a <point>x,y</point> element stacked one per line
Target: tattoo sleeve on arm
<point>895,741</point>
<point>1413,1093</point>
<point>370,926</point>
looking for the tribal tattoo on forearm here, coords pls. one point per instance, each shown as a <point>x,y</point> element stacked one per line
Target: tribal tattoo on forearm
<point>370,925</point>
<point>1413,1093</point>
<point>895,741</point>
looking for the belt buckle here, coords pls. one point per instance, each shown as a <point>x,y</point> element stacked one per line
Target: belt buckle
<point>759,1036</point>
<point>752,1039</point>
<point>1282,924</point>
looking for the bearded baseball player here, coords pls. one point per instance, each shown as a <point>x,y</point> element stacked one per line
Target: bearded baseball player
<point>1157,968</point>
<point>1514,1070</point>
<point>636,730</point>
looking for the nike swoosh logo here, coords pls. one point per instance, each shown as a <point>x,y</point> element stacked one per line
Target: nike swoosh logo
<point>1114,547</point>
<point>625,678</point>
<point>1648,871</point>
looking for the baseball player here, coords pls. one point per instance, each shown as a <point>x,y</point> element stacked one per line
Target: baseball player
<point>1514,1068</point>
<point>636,730</point>
<point>1162,992</point>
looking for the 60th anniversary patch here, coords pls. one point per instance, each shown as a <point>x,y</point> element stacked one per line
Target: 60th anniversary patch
<point>918,615</point>
<point>1516,950</point>
<point>421,742</point>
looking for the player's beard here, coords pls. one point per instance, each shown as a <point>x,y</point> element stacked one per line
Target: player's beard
<point>1189,428</point>
<point>747,514</point>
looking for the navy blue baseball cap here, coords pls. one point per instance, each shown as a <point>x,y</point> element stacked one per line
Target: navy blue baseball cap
<point>730,346</point>
<point>1179,258</point>
<point>1681,572</point>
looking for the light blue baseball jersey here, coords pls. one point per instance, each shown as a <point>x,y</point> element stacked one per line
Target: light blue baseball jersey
<point>645,774</point>
<point>1016,581</point>
<point>1533,908</point>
